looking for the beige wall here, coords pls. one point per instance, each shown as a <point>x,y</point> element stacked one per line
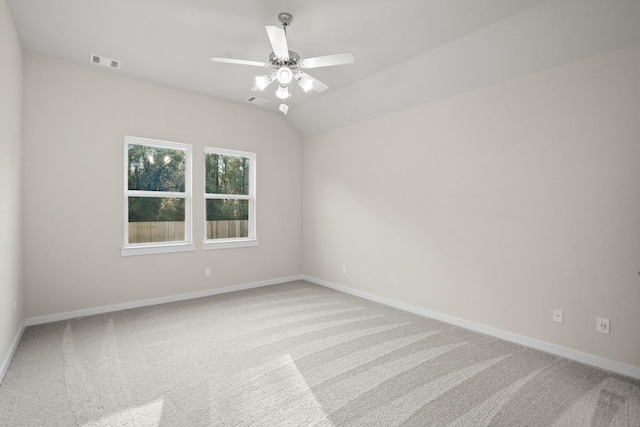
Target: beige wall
<point>75,120</point>
<point>10,182</point>
<point>495,206</point>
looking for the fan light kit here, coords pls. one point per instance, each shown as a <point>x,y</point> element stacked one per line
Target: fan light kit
<point>283,92</point>
<point>284,75</point>
<point>287,64</point>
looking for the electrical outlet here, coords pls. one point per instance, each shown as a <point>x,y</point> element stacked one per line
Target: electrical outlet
<point>557,315</point>
<point>15,307</point>
<point>602,325</point>
<point>207,271</point>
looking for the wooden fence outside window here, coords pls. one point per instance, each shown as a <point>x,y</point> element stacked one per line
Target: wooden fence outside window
<point>167,231</point>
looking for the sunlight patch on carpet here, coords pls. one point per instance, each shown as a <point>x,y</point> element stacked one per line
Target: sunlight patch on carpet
<point>148,415</point>
<point>262,397</point>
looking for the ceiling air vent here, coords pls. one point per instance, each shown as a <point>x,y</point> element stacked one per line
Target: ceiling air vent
<point>104,61</point>
<point>257,101</point>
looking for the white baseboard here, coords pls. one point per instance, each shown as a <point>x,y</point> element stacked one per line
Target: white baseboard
<point>10,353</point>
<point>154,301</point>
<point>567,353</point>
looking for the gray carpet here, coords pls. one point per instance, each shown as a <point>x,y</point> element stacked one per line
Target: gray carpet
<point>296,354</point>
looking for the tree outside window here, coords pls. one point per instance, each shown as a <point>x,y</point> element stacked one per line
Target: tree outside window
<point>158,185</point>
<point>229,195</point>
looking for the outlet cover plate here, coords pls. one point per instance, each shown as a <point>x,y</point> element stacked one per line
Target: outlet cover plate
<point>557,315</point>
<point>602,325</point>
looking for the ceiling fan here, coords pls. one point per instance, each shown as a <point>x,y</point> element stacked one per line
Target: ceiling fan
<point>287,65</point>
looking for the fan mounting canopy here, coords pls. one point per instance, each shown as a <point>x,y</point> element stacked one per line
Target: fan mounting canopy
<point>285,19</point>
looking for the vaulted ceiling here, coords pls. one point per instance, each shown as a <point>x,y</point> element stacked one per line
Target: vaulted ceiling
<point>408,52</point>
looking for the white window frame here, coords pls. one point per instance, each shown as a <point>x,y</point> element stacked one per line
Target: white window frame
<point>240,242</point>
<point>148,248</point>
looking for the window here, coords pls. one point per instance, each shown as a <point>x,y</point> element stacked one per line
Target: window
<point>157,197</point>
<point>230,199</point>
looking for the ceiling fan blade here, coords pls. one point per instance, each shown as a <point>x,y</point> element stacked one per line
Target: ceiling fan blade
<point>327,60</point>
<point>278,39</point>
<point>239,61</point>
<point>308,82</point>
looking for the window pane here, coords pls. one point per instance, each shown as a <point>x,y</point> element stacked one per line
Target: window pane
<point>226,174</point>
<point>227,219</point>
<point>156,169</point>
<point>156,219</point>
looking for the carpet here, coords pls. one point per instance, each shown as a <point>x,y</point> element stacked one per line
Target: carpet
<point>296,354</point>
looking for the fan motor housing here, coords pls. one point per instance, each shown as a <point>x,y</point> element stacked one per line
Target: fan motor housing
<point>292,63</point>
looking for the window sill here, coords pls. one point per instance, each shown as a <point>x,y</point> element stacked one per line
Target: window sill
<point>157,249</point>
<point>229,243</point>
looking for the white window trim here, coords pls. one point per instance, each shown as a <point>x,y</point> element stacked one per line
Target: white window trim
<point>186,245</point>
<point>252,239</point>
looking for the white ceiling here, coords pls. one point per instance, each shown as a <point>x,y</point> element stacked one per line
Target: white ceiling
<point>408,52</point>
